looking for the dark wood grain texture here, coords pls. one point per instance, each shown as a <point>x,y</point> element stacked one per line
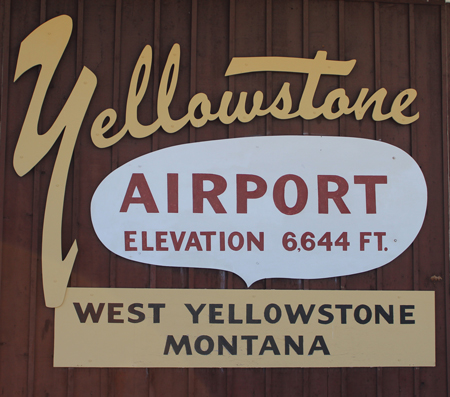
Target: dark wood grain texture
<point>397,45</point>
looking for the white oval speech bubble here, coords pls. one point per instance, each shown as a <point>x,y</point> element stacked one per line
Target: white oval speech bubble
<point>264,207</point>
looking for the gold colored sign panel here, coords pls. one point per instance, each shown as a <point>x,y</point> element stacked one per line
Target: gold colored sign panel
<point>110,327</point>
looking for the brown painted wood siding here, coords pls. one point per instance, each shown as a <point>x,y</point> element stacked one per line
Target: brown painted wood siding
<point>397,45</point>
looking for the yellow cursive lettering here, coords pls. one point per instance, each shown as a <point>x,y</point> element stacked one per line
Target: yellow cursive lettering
<point>45,46</point>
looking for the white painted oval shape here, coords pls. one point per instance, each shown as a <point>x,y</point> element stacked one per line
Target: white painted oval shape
<point>400,207</point>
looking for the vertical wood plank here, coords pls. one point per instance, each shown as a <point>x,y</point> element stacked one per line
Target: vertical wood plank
<point>92,265</point>
<point>17,207</point>
<point>128,44</point>
<point>324,35</point>
<point>360,17</point>
<point>269,77</point>
<point>34,263</point>
<point>430,240</point>
<point>174,23</point>
<point>5,12</point>
<point>305,131</point>
<point>156,74</point>
<point>395,74</point>
<point>49,380</point>
<point>342,132</point>
<point>414,154</point>
<point>287,41</point>
<point>231,134</point>
<point>379,271</point>
<point>76,169</point>
<point>192,373</point>
<point>232,53</point>
<point>268,373</point>
<point>250,40</point>
<point>446,175</point>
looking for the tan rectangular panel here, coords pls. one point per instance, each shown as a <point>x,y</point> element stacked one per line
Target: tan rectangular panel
<point>120,327</point>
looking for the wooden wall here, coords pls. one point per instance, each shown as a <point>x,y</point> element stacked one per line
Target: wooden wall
<point>397,45</point>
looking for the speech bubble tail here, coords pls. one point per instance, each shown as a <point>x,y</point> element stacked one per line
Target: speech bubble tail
<point>249,279</point>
